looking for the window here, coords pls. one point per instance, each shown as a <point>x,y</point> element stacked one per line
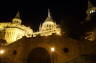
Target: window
<point>66,50</point>
<point>14,52</point>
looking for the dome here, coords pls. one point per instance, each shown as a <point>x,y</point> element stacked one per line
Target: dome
<point>50,23</point>
<point>49,27</point>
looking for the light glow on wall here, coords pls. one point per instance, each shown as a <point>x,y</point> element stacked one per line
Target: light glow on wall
<point>2,51</point>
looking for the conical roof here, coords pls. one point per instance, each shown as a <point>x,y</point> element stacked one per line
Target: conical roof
<point>17,15</point>
<point>17,19</point>
<point>49,18</point>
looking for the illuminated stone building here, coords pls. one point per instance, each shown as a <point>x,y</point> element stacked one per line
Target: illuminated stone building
<point>49,27</point>
<point>90,35</point>
<point>48,45</point>
<point>14,30</point>
<point>91,10</point>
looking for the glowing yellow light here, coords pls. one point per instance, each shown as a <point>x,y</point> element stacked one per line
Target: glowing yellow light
<point>2,51</point>
<point>58,33</point>
<point>92,11</point>
<point>52,49</point>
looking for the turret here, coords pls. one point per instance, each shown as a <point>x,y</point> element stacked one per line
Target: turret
<point>91,10</point>
<point>16,19</point>
<point>49,26</point>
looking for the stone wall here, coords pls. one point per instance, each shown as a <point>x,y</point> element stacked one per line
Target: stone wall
<point>66,49</point>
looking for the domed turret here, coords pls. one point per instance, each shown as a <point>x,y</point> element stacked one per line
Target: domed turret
<point>17,19</point>
<point>14,31</point>
<point>49,26</point>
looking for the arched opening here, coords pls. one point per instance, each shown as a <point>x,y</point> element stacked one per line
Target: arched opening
<point>39,55</point>
<point>66,50</point>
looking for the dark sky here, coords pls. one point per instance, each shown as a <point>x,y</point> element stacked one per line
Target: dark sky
<point>68,12</point>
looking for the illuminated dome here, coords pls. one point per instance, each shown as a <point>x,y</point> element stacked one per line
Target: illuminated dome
<point>49,27</point>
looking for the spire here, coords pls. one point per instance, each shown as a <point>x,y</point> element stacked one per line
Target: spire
<point>49,13</point>
<point>17,15</point>
<point>49,18</point>
<point>17,19</point>
<point>91,9</point>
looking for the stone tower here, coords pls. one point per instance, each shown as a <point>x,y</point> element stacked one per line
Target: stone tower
<point>49,26</point>
<point>13,31</point>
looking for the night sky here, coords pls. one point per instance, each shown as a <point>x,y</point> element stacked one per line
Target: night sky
<point>68,13</point>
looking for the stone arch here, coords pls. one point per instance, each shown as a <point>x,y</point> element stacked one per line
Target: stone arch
<point>39,55</point>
